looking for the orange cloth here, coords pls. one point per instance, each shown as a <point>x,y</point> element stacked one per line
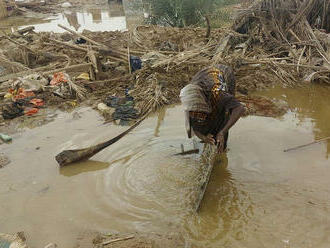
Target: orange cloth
<point>31,111</point>
<point>37,102</point>
<point>58,78</point>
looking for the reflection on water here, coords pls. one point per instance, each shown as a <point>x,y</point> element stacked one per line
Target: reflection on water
<point>82,167</point>
<point>93,20</point>
<point>109,17</point>
<point>225,210</point>
<point>308,104</point>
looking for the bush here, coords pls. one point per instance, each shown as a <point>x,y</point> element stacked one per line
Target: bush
<point>179,13</point>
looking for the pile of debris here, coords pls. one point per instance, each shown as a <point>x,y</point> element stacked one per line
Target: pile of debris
<point>270,43</point>
<point>286,41</point>
<point>7,8</point>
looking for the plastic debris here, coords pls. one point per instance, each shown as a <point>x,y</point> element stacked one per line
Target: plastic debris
<point>136,63</point>
<point>80,41</point>
<point>33,82</point>
<point>5,137</point>
<point>84,76</point>
<point>20,93</point>
<point>8,96</point>
<point>37,102</point>
<point>31,111</point>
<point>124,107</point>
<point>59,78</point>
<point>12,110</point>
<point>12,241</point>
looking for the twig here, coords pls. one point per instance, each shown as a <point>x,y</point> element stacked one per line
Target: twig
<point>116,240</point>
<point>302,53</point>
<point>311,143</point>
<point>129,61</point>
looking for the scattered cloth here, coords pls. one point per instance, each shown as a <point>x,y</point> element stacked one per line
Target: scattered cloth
<point>31,111</point>
<point>136,63</point>
<point>59,78</point>
<point>12,110</point>
<point>37,102</point>
<point>124,107</point>
<point>20,93</point>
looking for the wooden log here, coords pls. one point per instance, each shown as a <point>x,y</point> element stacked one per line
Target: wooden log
<point>68,45</point>
<point>81,36</point>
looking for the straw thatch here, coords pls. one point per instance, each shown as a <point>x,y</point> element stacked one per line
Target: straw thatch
<point>288,38</point>
<point>3,10</point>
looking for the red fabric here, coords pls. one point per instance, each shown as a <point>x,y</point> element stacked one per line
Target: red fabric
<point>58,78</point>
<point>31,111</point>
<point>37,102</point>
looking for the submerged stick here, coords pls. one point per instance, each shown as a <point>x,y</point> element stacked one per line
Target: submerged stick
<point>71,156</point>
<point>302,146</point>
<point>193,151</point>
<point>116,240</point>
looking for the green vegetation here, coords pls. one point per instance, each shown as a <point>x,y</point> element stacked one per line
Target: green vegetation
<point>180,13</point>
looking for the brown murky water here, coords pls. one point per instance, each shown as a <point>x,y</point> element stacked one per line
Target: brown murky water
<point>259,196</point>
<point>102,17</point>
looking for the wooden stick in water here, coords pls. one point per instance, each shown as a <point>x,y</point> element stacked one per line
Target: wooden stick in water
<point>70,156</point>
<point>116,240</point>
<point>302,146</point>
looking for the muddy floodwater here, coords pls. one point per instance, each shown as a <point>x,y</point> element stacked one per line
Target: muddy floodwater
<point>102,17</point>
<point>258,196</point>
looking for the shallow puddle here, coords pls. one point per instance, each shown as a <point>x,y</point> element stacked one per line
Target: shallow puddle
<point>258,197</point>
<point>107,17</point>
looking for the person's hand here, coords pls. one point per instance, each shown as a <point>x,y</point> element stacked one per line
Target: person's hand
<point>220,141</point>
<point>208,139</point>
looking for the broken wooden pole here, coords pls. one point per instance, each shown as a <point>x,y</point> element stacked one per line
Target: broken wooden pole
<point>68,45</point>
<point>81,36</point>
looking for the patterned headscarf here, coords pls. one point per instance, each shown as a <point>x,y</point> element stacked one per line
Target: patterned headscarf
<point>193,99</point>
